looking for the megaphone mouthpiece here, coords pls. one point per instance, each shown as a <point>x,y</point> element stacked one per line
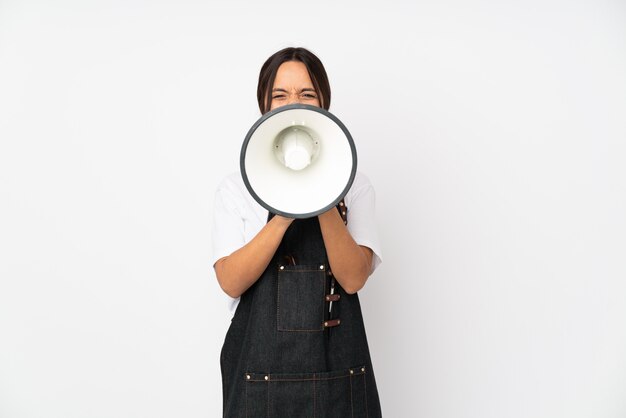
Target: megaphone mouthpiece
<point>296,148</point>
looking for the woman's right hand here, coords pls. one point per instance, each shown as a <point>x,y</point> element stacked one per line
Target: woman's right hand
<point>283,220</point>
<point>240,270</point>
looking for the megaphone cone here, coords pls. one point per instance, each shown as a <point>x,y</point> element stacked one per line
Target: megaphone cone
<point>298,161</point>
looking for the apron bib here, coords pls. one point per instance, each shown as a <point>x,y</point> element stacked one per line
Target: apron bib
<point>296,346</point>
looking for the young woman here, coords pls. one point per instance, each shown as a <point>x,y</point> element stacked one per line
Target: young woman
<point>296,346</point>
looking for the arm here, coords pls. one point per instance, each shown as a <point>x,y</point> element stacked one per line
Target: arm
<point>238,271</point>
<point>350,263</point>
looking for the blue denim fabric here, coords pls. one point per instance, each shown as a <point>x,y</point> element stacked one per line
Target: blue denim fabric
<point>278,358</point>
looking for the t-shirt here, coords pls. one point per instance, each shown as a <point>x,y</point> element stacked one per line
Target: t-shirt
<point>238,218</point>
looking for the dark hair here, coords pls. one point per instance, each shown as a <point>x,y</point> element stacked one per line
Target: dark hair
<point>313,65</point>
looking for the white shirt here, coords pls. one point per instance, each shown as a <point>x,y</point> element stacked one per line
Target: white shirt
<point>238,218</point>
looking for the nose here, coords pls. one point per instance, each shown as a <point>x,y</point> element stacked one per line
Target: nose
<point>294,99</point>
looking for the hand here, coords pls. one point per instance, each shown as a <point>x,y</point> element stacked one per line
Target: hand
<point>331,213</point>
<point>350,263</point>
<point>282,220</point>
<point>238,271</point>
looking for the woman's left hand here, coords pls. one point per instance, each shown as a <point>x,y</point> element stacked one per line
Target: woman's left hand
<point>350,263</point>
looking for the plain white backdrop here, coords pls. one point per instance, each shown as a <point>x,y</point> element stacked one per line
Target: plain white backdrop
<point>493,131</point>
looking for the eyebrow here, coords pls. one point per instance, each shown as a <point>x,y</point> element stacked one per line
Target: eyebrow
<point>285,91</point>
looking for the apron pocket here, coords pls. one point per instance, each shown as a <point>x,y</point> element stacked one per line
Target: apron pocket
<point>336,394</point>
<point>300,300</point>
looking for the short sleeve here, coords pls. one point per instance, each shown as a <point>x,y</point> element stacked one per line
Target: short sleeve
<point>228,224</point>
<point>361,203</point>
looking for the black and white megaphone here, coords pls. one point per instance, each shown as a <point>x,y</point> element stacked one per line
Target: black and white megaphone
<point>298,161</point>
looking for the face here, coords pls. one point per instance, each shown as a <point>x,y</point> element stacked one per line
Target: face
<point>293,85</point>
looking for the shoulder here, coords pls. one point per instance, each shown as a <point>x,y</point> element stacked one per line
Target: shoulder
<point>360,181</point>
<point>361,195</point>
<point>230,192</point>
<point>361,202</point>
<point>233,194</point>
<point>233,187</point>
<point>231,183</point>
<point>360,186</point>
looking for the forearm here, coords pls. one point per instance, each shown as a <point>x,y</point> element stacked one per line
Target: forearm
<point>349,262</point>
<point>237,272</point>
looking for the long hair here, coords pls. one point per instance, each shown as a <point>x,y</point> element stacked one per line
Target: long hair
<point>313,65</point>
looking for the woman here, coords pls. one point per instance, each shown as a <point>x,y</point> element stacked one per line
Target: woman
<point>296,346</point>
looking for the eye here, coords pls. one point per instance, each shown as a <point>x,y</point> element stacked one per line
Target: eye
<point>278,96</point>
<point>309,96</point>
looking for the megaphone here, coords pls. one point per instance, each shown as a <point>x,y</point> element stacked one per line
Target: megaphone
<point>298,161</point>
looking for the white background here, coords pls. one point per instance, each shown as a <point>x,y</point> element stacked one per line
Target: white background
<point>494,133</point>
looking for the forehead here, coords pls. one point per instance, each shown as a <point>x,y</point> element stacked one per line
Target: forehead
<point>292,74</point>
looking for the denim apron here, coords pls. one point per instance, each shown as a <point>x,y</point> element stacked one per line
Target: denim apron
<point>296,346</point>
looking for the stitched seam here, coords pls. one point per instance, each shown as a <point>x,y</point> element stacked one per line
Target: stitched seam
<point>357,371</point>
<point>351,400</point>
<point>278,300</point>
<point>314,397</point>
<point>268,399</point>
<point>278,326</point>
<point>300,330</point>
<point>322,298</point>
<point>274,379</point>
<point>367,413</point>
